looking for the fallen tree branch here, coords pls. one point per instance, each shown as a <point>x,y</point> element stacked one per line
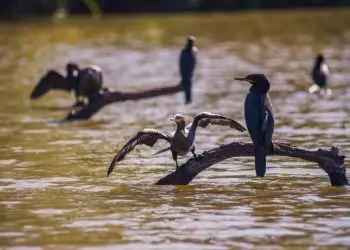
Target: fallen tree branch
<point>109,97</point>
<point>328,160</point>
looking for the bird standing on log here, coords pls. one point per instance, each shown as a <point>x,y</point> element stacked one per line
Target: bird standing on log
<point>181,141</point>
<point>319,74</point>
<point>259,119</point>
<point>187,63</point>
<point>85,82</point>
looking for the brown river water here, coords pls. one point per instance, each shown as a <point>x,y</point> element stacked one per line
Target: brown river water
<point>54,193</point>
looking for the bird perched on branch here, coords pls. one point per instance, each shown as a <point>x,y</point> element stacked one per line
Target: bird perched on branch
<point>319,74</point>
<point>181,141</point>
<point>259,118</point>
<point>85,82</point>
<point>187,64</point>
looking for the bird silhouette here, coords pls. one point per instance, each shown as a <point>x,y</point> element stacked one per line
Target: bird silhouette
<point>259,119</point>
<point>181,141</point>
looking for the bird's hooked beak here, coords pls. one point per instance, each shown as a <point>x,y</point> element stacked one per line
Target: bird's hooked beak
<point>175,119</point>
<point>244,79</point>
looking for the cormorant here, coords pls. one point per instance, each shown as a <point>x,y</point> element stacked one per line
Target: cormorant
<point>181,141</point>
<point>259,119</point>
<point>73,75</point>
<point>187,64</point>
<point>319,74</point>
<point>85,82</point>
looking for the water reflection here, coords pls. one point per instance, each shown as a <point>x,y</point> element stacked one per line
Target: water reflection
<point>54,191</point>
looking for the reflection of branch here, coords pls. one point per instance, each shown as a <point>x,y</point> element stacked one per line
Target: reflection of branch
<point>109,97</point>
<point>329,160</point>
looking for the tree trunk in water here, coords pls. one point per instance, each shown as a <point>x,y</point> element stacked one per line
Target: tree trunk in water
<point>108,97</point>
<point>328,160</point>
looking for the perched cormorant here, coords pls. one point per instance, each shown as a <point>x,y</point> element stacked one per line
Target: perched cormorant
<point>181,141</point>
<point>320,71</point>
<point>187,63</point>
<point>319,74</point>
<point>259,119</point>
<point>85,83</point>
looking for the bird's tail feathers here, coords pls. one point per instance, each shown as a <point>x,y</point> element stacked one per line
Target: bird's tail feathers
<point>161,151</point>
<point>260,161</point>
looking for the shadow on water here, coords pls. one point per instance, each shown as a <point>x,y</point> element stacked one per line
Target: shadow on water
<point>54,191</point>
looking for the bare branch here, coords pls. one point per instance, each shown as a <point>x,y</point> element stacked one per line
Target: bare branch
<point>109,97</point>
<point>328,160</point>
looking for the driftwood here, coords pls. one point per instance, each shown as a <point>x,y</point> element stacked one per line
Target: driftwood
<point>328,160</point>
<point>109,97</point>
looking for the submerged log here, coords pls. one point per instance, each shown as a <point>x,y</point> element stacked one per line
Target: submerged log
<point>109,97</point>
<point>328,160</point>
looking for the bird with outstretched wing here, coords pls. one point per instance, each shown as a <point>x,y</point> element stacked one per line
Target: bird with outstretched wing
<point>181,141</point>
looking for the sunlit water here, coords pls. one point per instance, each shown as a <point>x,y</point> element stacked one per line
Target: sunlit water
<point>53,185</point>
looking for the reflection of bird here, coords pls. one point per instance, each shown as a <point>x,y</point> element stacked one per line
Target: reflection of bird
<point>188,59</point>
<point>259,119</point>
<point>319,74</point>
<point>85,82</point>
<point>181,141</point>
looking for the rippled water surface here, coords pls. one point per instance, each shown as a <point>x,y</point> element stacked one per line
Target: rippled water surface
<point>53,185</point>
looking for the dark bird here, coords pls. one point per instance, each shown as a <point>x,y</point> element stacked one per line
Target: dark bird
<point>320,71</point>
<point>187,64</point>
<point>181,141</point>
<point>85,82</point>
<point>319,74</point>
<point>259,119</point>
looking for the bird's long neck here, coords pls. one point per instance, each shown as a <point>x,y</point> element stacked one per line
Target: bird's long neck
<point>180,126</point>
<point>261,87</point>
<point>72,80</point>
<point>189,47</point>
<point>317,67</point>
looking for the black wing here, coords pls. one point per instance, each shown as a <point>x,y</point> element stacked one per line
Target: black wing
<point>51,80</point>
<point>147,137</point>
<point>259,118</point>
<point>205,118</point>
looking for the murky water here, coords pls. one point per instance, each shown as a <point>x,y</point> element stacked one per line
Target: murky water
<point>53,185</point>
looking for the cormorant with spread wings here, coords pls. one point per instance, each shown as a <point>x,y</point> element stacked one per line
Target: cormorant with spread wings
<point>84,82</point>
<point>181,141</point>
